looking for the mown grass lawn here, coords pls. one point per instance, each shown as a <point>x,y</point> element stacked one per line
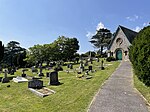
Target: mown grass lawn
<point>144,90</point>
<point>73,95</point>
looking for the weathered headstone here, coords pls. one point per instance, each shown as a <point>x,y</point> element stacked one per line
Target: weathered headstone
<point>68,65</point>
<point>81,67</point>
<point>97,59</point>
<point>35,83</point>
<point>71,66</point>
<point>90,68</point>
<point>54,78</point>
<point>47,74</point>
<point>87,72</point>
<point>86,63</point>
<point>33,69</point>
<point>5,79</point>
<point>1,69</point>
<point>102,65</point>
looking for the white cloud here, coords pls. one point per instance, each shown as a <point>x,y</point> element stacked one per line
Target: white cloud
<point>145,24</point>
<point>133,18</point>
<point>89,34</point>
<point>137,28</point>
<point>100,26</point>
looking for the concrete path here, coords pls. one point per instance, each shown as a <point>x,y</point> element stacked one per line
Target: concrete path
<point>118,93</point>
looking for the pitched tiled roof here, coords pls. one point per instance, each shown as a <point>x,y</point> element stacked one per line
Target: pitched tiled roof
<point>130,34</point>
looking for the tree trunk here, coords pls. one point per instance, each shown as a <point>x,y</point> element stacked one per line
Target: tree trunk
<point>101,50</point>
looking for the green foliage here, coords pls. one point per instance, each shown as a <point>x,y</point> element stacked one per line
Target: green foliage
<point>90,53</point>
<point>61,49</point>
<point>1,51</point>
<point>101,39</point>
<point>109,59</point>
<point>14,55</point>
<point>140,55</point>
<point>143,89</point>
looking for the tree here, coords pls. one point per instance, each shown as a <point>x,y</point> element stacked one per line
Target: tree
<point>13,53</point>
<point>61,49</point>
<point>36,53</point>
<point>139,55</point>
<point>66,48</point>
<point>1,51</point>
<point>101,39</point>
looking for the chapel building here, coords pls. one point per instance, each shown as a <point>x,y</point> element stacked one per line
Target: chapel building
<point>119,46</point>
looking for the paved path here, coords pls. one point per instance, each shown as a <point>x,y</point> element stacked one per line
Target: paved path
<point>118,94</point>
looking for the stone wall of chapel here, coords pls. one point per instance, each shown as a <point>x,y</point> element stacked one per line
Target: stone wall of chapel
<point>124,45</point>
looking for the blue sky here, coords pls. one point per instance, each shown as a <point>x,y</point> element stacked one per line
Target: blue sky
<point>32,22</point>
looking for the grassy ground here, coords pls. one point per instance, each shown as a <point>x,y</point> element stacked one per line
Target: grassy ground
<point>144,90</point>
<point>73,95</point>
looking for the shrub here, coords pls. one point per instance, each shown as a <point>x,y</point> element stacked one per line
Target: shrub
<point>140,55</point>
<point>109,59</point>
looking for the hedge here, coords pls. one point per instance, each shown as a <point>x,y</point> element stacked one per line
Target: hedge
<point>140,55</point>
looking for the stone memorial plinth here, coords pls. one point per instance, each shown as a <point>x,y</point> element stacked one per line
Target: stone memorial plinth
<point>20,79</point>
<point>42,92</point>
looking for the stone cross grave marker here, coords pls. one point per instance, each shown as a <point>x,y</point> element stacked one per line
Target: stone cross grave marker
<point>41,74</point>
<point>5,79</point>
<point>23,73</point>
<point>81,67</point>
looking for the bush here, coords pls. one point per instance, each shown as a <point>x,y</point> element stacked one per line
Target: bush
<point>140,55</point>
<point>109,59</point>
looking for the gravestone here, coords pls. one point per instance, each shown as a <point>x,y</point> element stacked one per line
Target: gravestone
<point>102,65</point>
<point>54,78</point>
<point>23,73</point>
<point>87,72</point>
<point>71,66</point>
<point>51,65</point>
<point>1,69</point>
<point>35,84</point>
<point>81,67</point>
<point>90,60</point>
<point>90,68</point>
<point>86,63</point>
<point>33,69</point>
<point>97,59</point>
<point>5,79</point>
<point>47,74</point>
<point>41,74</point>
<point>68,65</point>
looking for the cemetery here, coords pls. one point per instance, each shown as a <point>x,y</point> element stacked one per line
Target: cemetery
<point>55,87</point>
<point>54,77</point>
